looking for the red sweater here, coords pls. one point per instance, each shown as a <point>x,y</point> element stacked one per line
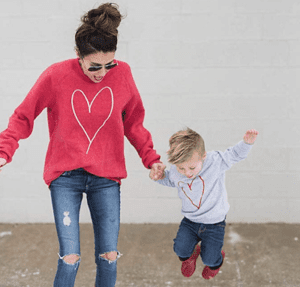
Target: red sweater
<point>87,121</point>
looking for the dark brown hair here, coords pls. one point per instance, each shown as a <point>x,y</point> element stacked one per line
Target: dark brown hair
<point>98,31</point>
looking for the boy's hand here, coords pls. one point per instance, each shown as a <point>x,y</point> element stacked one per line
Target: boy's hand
<point>157,171</point>
<point>2,162</point>
<point>250,136</point>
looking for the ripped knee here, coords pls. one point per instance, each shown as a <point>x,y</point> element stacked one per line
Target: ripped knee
<point>71,259</point>
<point>111,256</point>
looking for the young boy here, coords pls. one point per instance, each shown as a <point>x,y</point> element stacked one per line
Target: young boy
<point>200,180</point>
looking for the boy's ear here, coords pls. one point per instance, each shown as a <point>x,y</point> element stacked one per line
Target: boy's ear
<point>204,157</point>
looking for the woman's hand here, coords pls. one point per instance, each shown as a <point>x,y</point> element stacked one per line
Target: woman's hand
<point>2,162</point>
<point>157,171</point>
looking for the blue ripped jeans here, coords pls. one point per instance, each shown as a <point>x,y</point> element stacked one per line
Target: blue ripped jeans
<point>103,197</point>
<point>210,235</point>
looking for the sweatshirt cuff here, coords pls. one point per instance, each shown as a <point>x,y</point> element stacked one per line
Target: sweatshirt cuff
<point>244,147</point>
<point>156,161</point>
<point>4,155</point>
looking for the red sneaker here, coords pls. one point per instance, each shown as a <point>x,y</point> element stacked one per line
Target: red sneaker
<point>208,273</point>
<point>188,267</point>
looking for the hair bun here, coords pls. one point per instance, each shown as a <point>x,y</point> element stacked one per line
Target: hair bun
<point>106,19</point>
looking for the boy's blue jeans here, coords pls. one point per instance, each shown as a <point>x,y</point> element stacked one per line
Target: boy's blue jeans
<point>103,197</point>
<point>210,235</point>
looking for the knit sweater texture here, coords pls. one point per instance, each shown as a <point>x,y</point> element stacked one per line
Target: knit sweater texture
<point>87,121</point>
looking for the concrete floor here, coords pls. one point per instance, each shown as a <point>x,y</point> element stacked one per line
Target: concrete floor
<point>257,255</point>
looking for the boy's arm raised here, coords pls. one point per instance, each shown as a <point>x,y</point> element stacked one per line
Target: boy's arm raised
<point>238,152</point>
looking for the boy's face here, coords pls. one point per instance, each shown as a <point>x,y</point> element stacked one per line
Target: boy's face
<point>191,167</point>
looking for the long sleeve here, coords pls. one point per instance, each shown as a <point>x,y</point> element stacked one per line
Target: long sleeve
<point>234,154</point>
<point>137,134</point>
<point>22,121</point>
<point>87,121</point>
<point>204,198</point>
<point>166,181</point>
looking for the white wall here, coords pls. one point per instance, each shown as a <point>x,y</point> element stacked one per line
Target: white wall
<point>217,66</point>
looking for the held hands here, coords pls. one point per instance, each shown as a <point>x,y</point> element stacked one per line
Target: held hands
<point>250,136</point>
<point>2,162</point>
<point>157,171</point>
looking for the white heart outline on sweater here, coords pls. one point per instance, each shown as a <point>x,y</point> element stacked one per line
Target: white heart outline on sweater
<point>90,106</point>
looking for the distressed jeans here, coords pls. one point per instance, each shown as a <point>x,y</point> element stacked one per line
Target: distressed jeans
<point>210,235</point>
<point>103,197</point>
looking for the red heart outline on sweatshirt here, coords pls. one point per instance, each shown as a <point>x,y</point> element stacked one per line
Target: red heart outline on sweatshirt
<point>190,187</point>
<point>90,107</point>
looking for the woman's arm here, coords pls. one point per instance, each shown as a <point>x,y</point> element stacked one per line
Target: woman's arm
<point>133,119</point>
<point>21,123</point>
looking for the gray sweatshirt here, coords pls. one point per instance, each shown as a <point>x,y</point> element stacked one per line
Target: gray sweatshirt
<point>204,198</point>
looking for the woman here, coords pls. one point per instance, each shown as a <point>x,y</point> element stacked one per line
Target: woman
<point>92,102</point>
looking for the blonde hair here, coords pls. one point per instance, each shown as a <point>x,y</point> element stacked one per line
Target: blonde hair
<point>183,144</point>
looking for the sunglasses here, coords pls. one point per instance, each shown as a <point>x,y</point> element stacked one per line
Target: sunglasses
<point>107,67</point>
